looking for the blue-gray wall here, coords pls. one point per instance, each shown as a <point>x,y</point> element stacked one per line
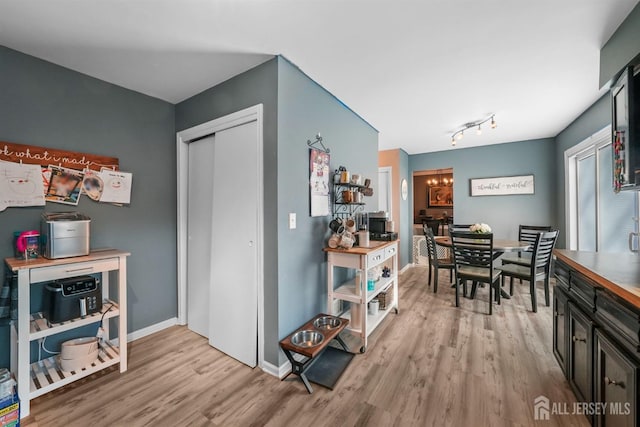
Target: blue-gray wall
<point>502,213</point>
<point>256,86</point>
<point>621,48</point>
<point>304,109</point>
<point>591,121</point>
<point>47,105</point>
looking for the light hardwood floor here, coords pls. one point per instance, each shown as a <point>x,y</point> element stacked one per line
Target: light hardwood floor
<point>431,365</point>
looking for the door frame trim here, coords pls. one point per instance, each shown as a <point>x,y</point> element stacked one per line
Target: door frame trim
<point>389,189</point>
<point>183,138</point>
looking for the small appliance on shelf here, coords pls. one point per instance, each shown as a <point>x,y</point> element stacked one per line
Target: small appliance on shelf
<point>380,228</point>
<point>65,234</point>
<point>68,299</point>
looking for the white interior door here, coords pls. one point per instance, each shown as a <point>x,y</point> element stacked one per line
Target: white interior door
<point>384,195</point>
<point>233,321</point>
<point>200,206</point>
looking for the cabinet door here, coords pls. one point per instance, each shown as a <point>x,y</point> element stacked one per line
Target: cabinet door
<point>616,384</point>
<point>580,342</point>
<point>560,328</point>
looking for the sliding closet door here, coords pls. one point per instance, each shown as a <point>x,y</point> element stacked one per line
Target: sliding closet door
<point>200,206</point>
<point>234,293</point>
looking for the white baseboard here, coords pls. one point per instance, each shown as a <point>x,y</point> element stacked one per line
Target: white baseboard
<point>406,268</point>
<point>277,371</point>
<point>152,329</point>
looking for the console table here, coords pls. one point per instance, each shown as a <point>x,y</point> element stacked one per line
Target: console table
<point>43,376</point>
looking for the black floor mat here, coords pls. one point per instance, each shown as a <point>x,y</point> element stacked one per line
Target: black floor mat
<point>327,370</point>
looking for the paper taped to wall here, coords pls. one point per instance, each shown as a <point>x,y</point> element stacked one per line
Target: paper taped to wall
<point>20,185</point>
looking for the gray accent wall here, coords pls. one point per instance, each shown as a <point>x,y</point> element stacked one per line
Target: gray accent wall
<point>256,86</point>
<point>47,105</point>
<point>503,213</point>
<point>304,109</point>
<point>622,48</point>
<point>591,121</point>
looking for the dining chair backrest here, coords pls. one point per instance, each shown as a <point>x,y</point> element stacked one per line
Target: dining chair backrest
<point>473,250</point>
<point>433,224</point>
<point>543,250</point>
<point>431,246</point>
<point>529,233</point>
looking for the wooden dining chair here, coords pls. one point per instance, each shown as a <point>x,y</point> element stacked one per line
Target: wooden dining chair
<point>528,234</point>
<point>473,261</point>
<point>437,260</point>
<point>538,269</point>
<point>433,224</point>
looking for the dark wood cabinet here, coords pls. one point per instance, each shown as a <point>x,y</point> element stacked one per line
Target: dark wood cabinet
<point>560,327</point>
<point>580,343</point>
<point>596,340</point>
<point>616,384</point>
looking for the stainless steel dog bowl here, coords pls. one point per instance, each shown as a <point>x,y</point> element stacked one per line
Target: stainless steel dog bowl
<point>327,322</point>
<point>307,338</point>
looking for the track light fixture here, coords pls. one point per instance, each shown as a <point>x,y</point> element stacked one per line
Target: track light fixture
<point>459,134</point>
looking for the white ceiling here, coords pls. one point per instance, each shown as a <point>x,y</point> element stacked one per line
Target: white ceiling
<point>416,70</point>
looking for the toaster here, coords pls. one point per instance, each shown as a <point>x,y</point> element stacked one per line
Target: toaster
<point>67,299</point>
<point>64,234</point>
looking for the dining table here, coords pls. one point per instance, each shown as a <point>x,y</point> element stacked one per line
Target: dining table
<point>500,246</point>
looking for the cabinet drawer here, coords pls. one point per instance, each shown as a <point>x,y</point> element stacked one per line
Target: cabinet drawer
<point>390,251</point>
<point>616,384</point>
<point>375,258</point>
<point>583,290</point>
<point>46,274</point>
<point>618,319</point>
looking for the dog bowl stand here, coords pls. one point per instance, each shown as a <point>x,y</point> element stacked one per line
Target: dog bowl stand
<point>320,364</point>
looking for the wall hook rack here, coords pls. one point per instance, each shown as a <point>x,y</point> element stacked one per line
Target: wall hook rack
<point>318,144</point>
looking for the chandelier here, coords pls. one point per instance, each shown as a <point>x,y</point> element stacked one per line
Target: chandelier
<point>440,179</point>
<point>459,134</point>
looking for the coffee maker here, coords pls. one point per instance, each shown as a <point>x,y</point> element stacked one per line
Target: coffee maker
<point>380,227</point>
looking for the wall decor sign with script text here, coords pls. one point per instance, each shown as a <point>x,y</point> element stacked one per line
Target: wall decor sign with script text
<point>31,155</point>
<point>502,186</point>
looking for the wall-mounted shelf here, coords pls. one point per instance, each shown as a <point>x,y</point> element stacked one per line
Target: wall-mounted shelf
<point>342,208</point>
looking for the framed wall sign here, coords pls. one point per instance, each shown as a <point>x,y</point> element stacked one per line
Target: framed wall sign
<point>502,186</point>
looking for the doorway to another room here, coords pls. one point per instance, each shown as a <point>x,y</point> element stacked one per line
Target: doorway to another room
<point>432,206</point>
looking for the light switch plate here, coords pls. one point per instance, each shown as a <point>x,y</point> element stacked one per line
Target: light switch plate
<point>292,221</point>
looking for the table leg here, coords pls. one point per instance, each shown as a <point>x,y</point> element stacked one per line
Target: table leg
<point>504,294</point>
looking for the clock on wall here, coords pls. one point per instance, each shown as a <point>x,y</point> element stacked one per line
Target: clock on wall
<point>404,189</point>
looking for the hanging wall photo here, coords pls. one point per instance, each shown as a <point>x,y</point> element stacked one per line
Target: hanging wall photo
<point>65,185</point>
<point>319,175</point>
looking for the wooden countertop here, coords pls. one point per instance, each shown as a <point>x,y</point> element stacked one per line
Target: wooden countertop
<point>619,273</point>
<point>16,264</point>
<point>374,245</point>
